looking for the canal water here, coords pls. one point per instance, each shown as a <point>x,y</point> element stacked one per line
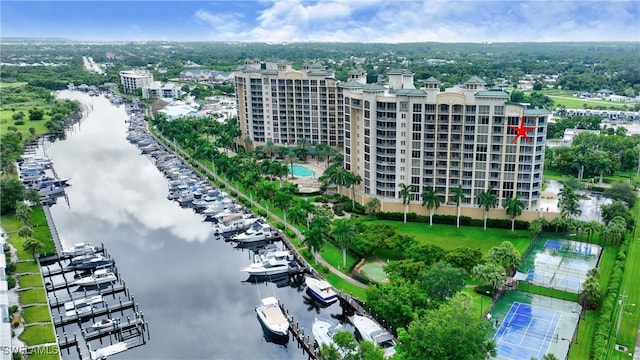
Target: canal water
<point>186,282</point>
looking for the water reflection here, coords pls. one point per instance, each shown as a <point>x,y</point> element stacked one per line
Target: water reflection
<point>187,283</point>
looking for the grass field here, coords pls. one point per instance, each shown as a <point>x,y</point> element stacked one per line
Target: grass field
<point>566,98</point>
<point>333,255</point>
<point>33,296</point>
<point>38,334</point>
<point>30,280</point>
<point>449,237</point>
<point>38,313</point>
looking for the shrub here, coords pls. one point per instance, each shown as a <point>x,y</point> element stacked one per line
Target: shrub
<point>18,122</point>
<point>290,234</point>
<point>11,282</point>
<point>262,213</point>
<point>280,226</point>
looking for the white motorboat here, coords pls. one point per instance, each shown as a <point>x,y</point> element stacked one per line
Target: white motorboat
<point>104,324</point>
<point>369,330</point>
<point>101,276</point>
<point>272,318</point>
<point>81,306</point>
<point>323,332</point>
<point>79,249</point>
<point>321,290</point>
<point>273,263</point>
<point>257,232</point>
<point>235,222</point>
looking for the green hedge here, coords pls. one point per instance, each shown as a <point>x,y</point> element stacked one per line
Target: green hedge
<point>603,327</point>
<point>451,220</point>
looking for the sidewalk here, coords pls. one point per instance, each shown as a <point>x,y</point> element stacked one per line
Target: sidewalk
<point>320,260</point>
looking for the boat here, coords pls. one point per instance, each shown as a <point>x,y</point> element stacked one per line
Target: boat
<point>79,249</point>
<point>77,260</point>
<point>321,290</point>
<point>369,330</point>
<point>104,324</point>
<point>323,331</point>
<point>273,263</point>
<point>256,232</point>
<point>81,306</point>
<point>272,318</point>
<point>99,277</point>
<point>99,262</point>
<point>234,222</point>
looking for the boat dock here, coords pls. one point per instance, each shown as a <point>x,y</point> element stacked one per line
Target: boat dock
<point>77,311</point>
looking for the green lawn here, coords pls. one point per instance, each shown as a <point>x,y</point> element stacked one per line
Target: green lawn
<point>333,255</point>
<point>38,334</point>
<point>449,237</point>
<point>31,280</point>
<point>581,349</point>
<point>33,296</point>
<point>38,313</point>
<point>27,267</point>
<point>479,300</point>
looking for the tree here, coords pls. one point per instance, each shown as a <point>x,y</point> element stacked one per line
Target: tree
<point>314,238</point>
<point>504,255</point>
<point>463,257</point>
<point>492,274</point>
<point>12,194</point>
<point>514,207</point>
<point>23,213</point>
<point>323,149</point>
<point>431,199</point>
<point>441,281</point>
<point>451,332</point>
<point>622,191</point>
<point>616,208</point>
<point>591,292</point>
<point>457,196</point>
<point>603,166</point>
<point>25,232</point>
<point>344,232</point>
<point>270,149</point>
<point>33,247</point>
<point>488,201</point>
<point>405,195</point>
<point>36,114</point>
<point>372,206</point>
<point>351,180</point>
<point>282,200</point>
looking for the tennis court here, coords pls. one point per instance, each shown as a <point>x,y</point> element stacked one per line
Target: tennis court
<point>527,331</point>
<point>530,326</point>
<point>560,264</point>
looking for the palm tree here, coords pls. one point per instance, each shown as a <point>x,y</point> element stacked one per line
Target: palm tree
<point>282,200</point>
<point>290,159</point>
<point>458,196</point>
<point>351,180</point>
<point>25,231</point>
<point>324,149</point>
<point>23,213</point>
<point>591,228</point>
<point>270,149</point>
<point>487,201</point>
<point>298,215</point>
<point>372,206</point>
<point>579,161</point>
<point>514,207</point>
<point>344,232</point>
<point>281,152</point>
<point>405,195</point>
<point>33,247</point>
<point>603,165</point>
<point>591,291</point>
<point>265,167</point>
<point>314,237</point>
<point>431,199</point>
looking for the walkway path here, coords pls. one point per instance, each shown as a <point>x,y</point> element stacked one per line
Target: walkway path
<point>322,261</point>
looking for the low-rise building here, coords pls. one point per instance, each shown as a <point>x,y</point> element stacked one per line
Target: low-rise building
<point>157,90</point>
<point>132,80</point>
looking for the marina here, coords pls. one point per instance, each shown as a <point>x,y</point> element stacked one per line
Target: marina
<point>123,205</point>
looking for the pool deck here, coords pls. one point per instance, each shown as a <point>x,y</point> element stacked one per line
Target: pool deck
<point>309,183</point>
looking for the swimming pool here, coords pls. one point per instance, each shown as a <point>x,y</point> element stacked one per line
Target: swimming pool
<point>299,170</point>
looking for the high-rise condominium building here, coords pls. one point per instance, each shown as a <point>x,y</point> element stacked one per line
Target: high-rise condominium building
<point>467,136</point>
<point>279,104</point>
<point>131,80</point>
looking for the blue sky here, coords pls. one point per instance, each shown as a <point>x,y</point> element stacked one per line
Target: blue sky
<point>325,20</point>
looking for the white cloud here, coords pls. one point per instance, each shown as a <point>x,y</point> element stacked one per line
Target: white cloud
<point>430,20</point>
